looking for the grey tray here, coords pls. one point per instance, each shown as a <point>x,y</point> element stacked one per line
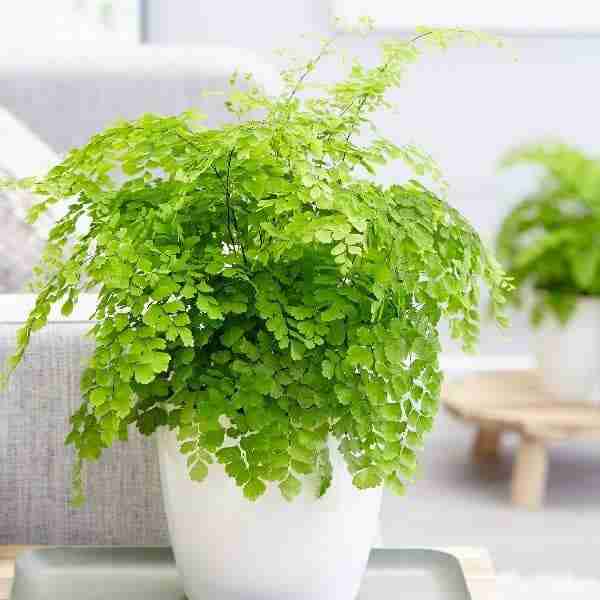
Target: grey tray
<point>143,573</point>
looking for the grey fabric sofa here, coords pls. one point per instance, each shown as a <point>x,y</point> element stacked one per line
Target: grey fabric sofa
<point>65,97</point>
<point>124,499</point>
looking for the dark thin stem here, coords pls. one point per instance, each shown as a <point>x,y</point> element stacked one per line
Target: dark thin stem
<point>310,66</point>
<point>231,218</point>
<point>187,140</point>
<point>420,36</point>
<point>347,108</point>
<point>382,68</point>
<point>227,198</point>
<point>230,213</point>
<point>364,97</point>
<point>227,205</point>
<point>358,109</point>
<point>236,226</point>
<point>220,178</point>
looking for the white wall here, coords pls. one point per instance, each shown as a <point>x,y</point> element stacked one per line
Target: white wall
<point>466,106</point>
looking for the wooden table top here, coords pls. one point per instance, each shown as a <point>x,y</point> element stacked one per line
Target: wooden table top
<point>475,562</point>
<point>515,400</point>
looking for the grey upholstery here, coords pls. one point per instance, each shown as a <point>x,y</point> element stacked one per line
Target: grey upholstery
<point>66,98</point>
<point>124,499</point>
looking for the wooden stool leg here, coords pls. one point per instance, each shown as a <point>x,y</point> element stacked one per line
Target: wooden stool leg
<point>529,474</point>
<point>487,442</point>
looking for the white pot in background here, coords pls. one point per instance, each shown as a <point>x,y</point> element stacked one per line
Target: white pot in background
<point>229,548</point>
<point>568,356</point>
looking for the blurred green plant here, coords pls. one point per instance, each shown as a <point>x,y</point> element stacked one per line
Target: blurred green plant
<point>257,293</point>
<point>551,239</point>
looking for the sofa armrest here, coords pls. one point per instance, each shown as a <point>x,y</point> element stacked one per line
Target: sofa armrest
<point>124,497</point>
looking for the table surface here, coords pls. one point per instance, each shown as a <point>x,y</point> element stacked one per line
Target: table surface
<point>475,562</point>
<point>515,400</point>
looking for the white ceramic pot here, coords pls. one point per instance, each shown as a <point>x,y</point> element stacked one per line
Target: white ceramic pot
<point>568,356</point>
<point>229,548</point>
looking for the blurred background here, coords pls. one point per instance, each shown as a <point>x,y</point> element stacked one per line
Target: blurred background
<point>466,107</point>
<point>70,67</point>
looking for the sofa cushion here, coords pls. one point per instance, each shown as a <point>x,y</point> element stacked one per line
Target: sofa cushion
<point>22,154</point>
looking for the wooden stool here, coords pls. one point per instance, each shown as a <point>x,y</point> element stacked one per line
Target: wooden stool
<point>515,401</point>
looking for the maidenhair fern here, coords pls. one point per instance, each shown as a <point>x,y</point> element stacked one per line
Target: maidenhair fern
<point>257,293</point>
<point>550,239</point>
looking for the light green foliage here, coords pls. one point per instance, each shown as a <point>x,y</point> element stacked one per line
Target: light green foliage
<point>257,293</point>
<point>550,239</point>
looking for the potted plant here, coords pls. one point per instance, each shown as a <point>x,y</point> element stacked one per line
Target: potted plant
<point>271,314</point>
<point>550,243</point>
